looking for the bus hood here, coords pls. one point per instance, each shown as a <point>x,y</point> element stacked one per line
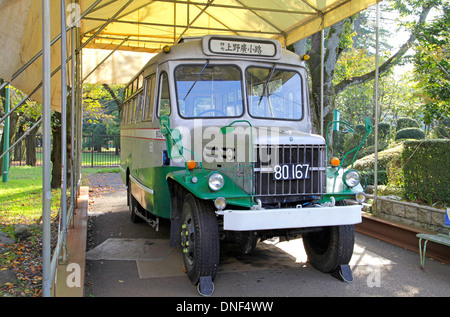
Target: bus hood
<point>278,136</point>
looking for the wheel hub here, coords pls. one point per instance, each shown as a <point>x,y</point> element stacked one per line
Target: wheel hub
<point>188,240</point>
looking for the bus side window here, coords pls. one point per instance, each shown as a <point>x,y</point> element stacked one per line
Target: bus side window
<point>131,110</point>
<point>138,99</point>
<point>140,81</point>
<point>164,96</point>
<point>124,112</point>
<point>150,88</point>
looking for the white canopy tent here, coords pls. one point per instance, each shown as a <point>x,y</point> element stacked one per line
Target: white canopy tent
<point>108,41</point>
<point>143,27</point>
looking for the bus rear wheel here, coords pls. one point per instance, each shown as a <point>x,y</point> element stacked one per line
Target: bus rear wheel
<point>330,247</point>
<point>133,205</point>
<point>199,239</point>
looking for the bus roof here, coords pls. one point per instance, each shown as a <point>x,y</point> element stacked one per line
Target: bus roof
<point>216,47</point>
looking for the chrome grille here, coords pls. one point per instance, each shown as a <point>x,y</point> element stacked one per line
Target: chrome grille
<point>270,190</point>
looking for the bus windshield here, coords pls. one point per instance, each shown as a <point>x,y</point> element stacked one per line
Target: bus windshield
<point>209,91</point>
<point>274,93</point>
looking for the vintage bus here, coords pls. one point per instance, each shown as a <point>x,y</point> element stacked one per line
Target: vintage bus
<point>216,137</point>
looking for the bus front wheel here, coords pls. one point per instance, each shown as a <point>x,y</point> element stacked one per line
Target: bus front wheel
<point>331,247</point>
<point>199,239</point>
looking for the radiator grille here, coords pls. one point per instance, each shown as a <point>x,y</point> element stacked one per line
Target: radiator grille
<point>270,190</point>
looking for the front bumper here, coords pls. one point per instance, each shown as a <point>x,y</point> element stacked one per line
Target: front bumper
<point>287,218</point>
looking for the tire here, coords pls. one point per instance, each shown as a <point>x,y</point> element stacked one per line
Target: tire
<point>199,239</point>
<point>330,247</point>
<point>133,206</point>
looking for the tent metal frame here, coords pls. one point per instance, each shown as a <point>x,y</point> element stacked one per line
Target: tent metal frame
<point>74,89</point>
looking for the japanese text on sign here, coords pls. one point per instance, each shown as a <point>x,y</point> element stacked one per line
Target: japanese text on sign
<point>242,48</point>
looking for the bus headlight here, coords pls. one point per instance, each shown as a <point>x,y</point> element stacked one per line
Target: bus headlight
<point>220,203</point>
<point>360,197</point>
<point>351,178</point>
<point>216,181</point>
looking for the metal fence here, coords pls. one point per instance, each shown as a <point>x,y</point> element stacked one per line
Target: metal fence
<point>101,150</point>
<point>97,151</point>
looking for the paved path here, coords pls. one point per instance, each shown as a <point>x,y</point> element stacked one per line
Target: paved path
<point>126,259</point>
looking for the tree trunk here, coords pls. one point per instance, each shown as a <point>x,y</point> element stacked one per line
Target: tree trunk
<point>331,55</point>
<point>56,151</point>
<point>30,149</point>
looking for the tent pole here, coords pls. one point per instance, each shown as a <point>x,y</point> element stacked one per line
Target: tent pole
<point>6,136</point>
<point>46,191</point>
<point>64,127</point>
<point>321,79</point>
<point>72,123</point>
<point>376,102</point>
<point>79,109</point>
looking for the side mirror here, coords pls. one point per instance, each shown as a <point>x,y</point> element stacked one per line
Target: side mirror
<point>173,138</point>
<point>164,124</point>
<point>368,125</point>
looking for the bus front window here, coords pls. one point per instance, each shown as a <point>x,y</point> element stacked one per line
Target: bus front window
<point>274,93</point>
<point>206,91</point>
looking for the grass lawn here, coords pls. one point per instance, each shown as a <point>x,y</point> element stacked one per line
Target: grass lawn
<point>21,203</point>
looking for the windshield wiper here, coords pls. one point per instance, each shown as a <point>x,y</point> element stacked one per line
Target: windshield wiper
<point>267,83</point>
<point>198,77</point>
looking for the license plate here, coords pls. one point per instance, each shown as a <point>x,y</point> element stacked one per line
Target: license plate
<point>291,171</point>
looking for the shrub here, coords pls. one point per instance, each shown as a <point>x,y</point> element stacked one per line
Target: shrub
<point>388,165</point>
<point>370,177</point>
<point>426,170</point>
<point>443,128</point>
<point>367,150</point>
<point>360,129</point>
<point>410,133</point>
<point>384,131</point>
<point>384,158</point>
<point>419,167</point>
<point>404,122</point>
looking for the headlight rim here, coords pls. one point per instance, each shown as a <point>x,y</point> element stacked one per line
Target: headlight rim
<point>344,178</point>
<point>209,181</point>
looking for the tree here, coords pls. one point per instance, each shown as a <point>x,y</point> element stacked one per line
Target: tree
<point>337,39</point>
<point>102,105</point>
<point>432,65</point>
<point>21,120</point>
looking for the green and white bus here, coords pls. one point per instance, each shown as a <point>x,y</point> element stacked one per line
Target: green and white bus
<point>216,136</point>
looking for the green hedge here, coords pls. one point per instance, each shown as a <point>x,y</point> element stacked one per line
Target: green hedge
<point>388,162</point>
<point>426,170</point>
<point>410,133</point>
<point>370,177</point>
<point>404,122</point>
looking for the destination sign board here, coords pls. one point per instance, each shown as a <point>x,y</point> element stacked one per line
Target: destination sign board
<point>242,47</point>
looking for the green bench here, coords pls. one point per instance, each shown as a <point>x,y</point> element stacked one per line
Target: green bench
<point>440,238</point>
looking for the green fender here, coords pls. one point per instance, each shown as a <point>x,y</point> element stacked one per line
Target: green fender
<point>336,188</point>
<point>196,182</point>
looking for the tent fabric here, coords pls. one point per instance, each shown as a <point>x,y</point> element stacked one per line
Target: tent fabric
<point>143,27</point>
